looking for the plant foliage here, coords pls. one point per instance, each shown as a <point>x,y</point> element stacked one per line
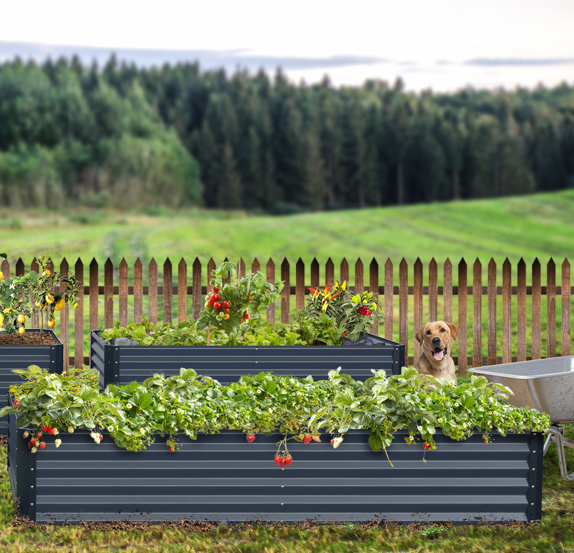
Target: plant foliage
<point>299,408</point>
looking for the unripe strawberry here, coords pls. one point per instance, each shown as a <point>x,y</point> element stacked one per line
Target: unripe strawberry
<point>34,449</point>
<point>26,434</point>
<point>97,440</point>
<point>316,439</point>
<point>71,429</point>
<point>93,435</point>
<point>336,444</point>
<point>58,442</point>
<point>55,431</point>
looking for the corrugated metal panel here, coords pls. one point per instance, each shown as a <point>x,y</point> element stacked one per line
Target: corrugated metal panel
<point>49,357</point>
<point>228,363</point>
<point>222,477</point>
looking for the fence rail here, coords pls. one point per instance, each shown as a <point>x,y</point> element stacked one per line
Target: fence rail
<point>408,318</point>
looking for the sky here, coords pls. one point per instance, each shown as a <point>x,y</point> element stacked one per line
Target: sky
<point>439,44</point>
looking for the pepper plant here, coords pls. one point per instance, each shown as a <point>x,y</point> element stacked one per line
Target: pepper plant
<point>353,314</point>
<point>265,403</point>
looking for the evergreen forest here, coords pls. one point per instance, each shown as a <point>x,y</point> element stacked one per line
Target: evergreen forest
<point>123,136</point>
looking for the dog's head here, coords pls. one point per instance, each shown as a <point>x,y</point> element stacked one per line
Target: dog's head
<point>437,339</point>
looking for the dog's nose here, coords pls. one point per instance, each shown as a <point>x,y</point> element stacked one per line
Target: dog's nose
<point>436,340</point>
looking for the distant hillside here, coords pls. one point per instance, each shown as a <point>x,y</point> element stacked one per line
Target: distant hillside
<point>541,225</point>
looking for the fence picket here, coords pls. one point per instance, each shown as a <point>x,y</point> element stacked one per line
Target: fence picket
<point>551,308</point>
<point>108,294</point>
<point>167,291</point>
<point>79,317</point>
<point>196,296</point>
<point>373,284</point>
<point>536,317</point>
<point>315,280</point>
<point>462,317</point>
<point>447,290</point>
<point>240,268</point>
<point>418,306</point>
<point>389,295</point>
<point>123,292</point>
<point>182,291</point>
<point>152,291</point>
<point>300,284</point>
<point>255,266</point>
<point>521,311</point>
<point>344,272</point>
<point>329,271</point>
<point>270,273</point>
<point>359,277</point>
<point>433,290</point>
<point>94,295</point>
<point>491,312</point>
<point>285,293</point>
<point>506,311</point>
<point>138,291</point>
<point>404,307</point>
<point>5,268</point>
<point>565,292</point>
<point>20,269</point>
<point>477,314</point>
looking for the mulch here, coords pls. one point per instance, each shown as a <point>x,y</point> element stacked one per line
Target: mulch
<point>27,339</point>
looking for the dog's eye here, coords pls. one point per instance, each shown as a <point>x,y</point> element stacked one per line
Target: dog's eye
<point>442,330</point>
<point>428,332</point>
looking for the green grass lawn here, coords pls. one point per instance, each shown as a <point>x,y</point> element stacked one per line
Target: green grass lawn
<point>540,225</point>
<point>554,534</point>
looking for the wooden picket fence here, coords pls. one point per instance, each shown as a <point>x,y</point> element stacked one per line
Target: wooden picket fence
<point>383,285</point>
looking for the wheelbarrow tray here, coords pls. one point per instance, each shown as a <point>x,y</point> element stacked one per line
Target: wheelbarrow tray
<point>543,384</point>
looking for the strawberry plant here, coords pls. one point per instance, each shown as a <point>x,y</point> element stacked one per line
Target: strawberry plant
<point>228,305</point>
<point>264,403</point>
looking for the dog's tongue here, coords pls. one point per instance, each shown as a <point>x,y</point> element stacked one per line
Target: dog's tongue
<point>438,355</point>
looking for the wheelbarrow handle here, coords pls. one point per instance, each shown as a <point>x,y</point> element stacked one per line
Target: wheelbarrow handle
<point>555,435</point>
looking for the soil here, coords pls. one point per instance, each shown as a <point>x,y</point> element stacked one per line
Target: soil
<point>28,339</point>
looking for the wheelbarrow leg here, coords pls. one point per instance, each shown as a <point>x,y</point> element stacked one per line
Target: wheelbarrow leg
<point>547,443</point>
<point>555,435</point>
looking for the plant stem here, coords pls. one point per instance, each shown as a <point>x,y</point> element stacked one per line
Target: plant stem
<point>208,335</point>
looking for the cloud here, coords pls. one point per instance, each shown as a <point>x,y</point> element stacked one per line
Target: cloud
<point>230,59</point>
<point>518,62</point>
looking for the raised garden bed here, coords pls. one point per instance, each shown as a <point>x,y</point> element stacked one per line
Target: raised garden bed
<point>221,477</point>
<point>124,364</point>
<point>47,356</point>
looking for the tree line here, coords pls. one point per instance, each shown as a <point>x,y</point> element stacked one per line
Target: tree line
<point>120,135</point>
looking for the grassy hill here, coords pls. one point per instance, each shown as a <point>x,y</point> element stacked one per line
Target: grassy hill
<point>540,225</point>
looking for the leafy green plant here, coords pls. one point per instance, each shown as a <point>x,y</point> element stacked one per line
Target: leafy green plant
<point>15,305</point>
<point>228,305</point>
<point>257,333</point>
<point>431,531</point>
<point>265,403</point>
<point>353,314</point>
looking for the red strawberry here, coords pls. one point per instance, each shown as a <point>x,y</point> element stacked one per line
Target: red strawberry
<point>44,428</point>
<point>33,441</point>
<point>283,463</point>
<point>171,450</point>
<point>101,437</point>
<point>485,442</point>
<point>30,444</point>
<point>332,441</point>
<point>307,439</point>
<point>250,437</point>
<point>277,460</point>
<point>42,445</point>
<point>288,460</point>
<point>38,434</point>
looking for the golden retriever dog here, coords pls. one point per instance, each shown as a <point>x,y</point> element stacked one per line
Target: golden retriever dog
<point>436,339</point>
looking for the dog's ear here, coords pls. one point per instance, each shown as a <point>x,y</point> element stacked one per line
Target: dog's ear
<point>419,335</point>
<point>454,330</point>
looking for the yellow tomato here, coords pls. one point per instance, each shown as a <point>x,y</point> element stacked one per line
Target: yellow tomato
<point>51,322</point>
<point>61,303</point>
<point>49,298</point>
<point>76,305</point>
<point>21,330</point>
<point>38,303</point>
<point>226,316</point>
<point>1,319</point>
<point>46,273</point>
<point>21,318</point>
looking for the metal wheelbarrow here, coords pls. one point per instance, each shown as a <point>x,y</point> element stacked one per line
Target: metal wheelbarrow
<point>546,385</point>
